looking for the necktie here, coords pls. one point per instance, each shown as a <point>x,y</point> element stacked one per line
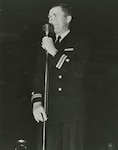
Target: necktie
<point>58,39</point>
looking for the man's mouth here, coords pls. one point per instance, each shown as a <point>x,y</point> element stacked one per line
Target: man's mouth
<point>55,26</point>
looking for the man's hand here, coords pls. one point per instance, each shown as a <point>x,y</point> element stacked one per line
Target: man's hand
<point>48,45</point>
<point>38,112</point>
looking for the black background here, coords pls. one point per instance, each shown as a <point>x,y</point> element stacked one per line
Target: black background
<point>20,27</point>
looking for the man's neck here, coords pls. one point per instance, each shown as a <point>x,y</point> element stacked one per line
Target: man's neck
<point>63,35</point>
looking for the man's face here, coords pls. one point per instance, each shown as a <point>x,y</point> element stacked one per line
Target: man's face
<point>58,19</point>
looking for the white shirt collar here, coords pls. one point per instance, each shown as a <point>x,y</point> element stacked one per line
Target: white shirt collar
<point>63,35</point>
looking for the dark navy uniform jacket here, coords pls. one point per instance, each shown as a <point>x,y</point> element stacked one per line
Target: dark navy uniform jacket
<point>66,71</point>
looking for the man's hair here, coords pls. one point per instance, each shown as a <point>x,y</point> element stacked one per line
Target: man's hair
<point>65,8</point>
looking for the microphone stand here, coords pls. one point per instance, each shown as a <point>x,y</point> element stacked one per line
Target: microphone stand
<point>45,98</point>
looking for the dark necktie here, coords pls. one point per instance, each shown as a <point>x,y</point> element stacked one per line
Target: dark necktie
<point>58,39</point>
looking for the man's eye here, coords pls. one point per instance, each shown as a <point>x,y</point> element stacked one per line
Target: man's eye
<point>55,15</point>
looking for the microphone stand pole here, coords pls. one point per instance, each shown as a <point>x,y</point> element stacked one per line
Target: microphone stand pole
<point>45,98</point>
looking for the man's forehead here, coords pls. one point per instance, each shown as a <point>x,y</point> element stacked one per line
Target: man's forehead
<point>56,9</point>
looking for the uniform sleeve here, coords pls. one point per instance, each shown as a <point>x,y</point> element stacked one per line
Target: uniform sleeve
<point>38,79</point>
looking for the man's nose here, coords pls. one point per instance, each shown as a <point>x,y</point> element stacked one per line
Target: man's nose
<point>51,20</point>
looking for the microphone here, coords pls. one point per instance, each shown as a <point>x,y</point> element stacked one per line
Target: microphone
<point>47,29</point>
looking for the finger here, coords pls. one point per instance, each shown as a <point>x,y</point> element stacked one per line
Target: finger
<point>43,46</point>
<point>35,117</point>
<point>38,117</point>
<point>46,37</point>
<point>44,116</point>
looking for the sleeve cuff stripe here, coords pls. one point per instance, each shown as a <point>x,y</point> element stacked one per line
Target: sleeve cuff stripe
<point>36,96</point>
<point>61,61</point>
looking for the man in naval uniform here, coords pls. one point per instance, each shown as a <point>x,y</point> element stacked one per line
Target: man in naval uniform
<point>65,117</point>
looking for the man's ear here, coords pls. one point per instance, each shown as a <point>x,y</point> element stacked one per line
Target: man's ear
<point>69,18</point>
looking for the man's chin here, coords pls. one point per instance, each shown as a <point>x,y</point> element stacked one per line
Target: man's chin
<point>56,31</point>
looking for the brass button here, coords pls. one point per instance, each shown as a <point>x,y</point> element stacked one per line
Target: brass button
<point>32,93</point>
<point>67,60</point>
<point>60,76</point>
<point>59,89</point>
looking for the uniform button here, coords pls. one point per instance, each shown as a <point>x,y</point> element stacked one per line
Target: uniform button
<point>59,89</point>
<point>32,93</point>
<point>60,76</point>
<point>67,60</point>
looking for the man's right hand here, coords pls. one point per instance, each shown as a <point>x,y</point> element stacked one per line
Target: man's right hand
<point>48,45</point>
<point>39,112</point>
